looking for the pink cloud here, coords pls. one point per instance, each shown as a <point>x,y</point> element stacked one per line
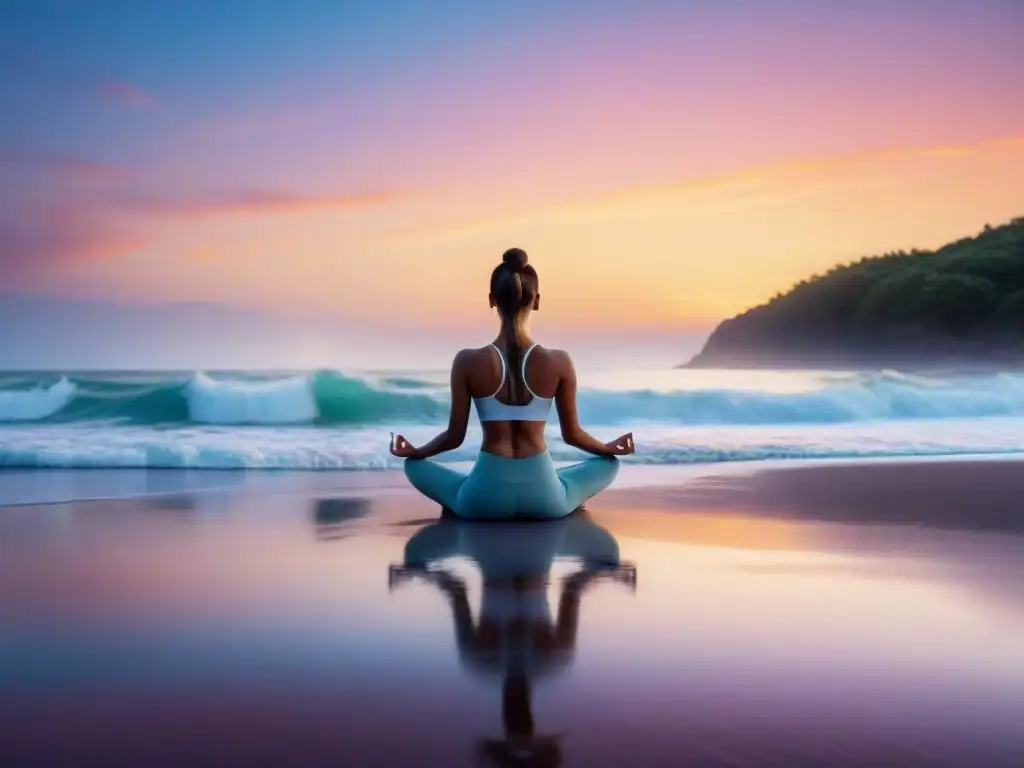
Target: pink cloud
<point>125,94</point>
<point>255,202</point>
<point>34,239</point>
<point>55,74</point>
<point>76,227</point>
<point>86,171</point>
<point>69,167</point>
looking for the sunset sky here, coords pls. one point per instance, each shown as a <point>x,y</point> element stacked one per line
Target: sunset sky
<point>364,164</point>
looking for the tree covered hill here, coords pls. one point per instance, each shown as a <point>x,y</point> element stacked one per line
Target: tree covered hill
<point>961,304</point>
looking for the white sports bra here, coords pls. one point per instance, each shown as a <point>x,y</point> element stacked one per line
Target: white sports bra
<point>491,409</point>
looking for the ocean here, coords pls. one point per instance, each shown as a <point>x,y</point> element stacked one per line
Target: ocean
<point>323,420</point>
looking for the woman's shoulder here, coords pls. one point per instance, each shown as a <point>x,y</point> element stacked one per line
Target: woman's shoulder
<point>469,355</point>
<point>557,360</point>
<point>472,355</point>
<point>555,354</point>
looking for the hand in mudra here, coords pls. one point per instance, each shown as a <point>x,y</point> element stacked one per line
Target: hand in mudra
<point>402,448</point>
<point>621,446</point>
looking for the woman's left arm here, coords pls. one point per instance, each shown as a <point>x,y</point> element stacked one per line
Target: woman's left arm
<point>458,419</point>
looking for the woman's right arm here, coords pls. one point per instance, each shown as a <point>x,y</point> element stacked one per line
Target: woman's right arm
<point>572,433</point>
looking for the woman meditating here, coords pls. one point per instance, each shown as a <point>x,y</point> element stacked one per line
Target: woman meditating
<point>513,382</point>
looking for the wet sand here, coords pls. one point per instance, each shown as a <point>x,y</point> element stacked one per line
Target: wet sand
<point>863,614</point>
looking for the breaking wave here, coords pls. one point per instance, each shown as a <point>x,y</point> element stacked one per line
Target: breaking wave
<point>328,398</point>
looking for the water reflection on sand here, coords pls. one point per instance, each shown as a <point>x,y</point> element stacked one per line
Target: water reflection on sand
<point>514,636</point>
<point>347,627</point>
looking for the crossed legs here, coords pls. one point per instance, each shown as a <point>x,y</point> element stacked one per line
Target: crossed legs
<point>576,483</point>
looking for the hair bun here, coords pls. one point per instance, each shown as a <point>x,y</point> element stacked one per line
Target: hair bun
<point>515,259</point>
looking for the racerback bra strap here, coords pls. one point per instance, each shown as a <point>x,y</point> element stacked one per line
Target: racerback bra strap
<point>523,372</point>
<point>491,409</point>
<point>504,371</point>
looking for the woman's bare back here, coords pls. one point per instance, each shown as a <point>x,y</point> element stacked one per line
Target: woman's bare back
<point>513,425</point>
<point>513,439</point>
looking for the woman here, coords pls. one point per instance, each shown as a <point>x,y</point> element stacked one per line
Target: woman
<point>513,383</point>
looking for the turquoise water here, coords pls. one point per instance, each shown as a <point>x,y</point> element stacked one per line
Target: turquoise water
<point>332,419</point>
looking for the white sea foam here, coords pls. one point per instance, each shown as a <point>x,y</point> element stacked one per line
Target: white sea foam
<point>37,403</point>
<point>679,398</point>
<point>312,448</point>
<point>329,420</point>
<point>277,401</point>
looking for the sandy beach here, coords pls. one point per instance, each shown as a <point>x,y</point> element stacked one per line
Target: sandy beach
<point>837,614</point>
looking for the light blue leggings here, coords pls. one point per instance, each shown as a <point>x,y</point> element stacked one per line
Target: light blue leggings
<point>499,488</point>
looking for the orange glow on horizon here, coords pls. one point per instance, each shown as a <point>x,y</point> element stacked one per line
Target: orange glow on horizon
<point>666,256</point>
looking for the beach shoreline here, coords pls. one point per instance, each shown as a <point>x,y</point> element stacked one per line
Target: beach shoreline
<point>792,614</point>
<point>771,487</point>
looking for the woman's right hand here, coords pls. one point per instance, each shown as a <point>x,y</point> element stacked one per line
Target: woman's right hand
<point>621,446</point>
<point>402,448</point>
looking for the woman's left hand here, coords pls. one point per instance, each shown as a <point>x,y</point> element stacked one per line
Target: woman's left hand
<point>402,448</point>
<point>621,446</point>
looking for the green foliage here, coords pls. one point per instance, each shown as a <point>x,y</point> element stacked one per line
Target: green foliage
<point>955,303</point>
<point>996,265</point>
<point>969,292</point>
<point>893,299</point>
<point>1010,313</point>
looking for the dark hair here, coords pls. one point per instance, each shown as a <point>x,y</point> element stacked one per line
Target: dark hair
<point>514,286</point>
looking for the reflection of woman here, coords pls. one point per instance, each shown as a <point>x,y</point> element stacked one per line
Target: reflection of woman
<point>513,383</point>
<point>515,637</point>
